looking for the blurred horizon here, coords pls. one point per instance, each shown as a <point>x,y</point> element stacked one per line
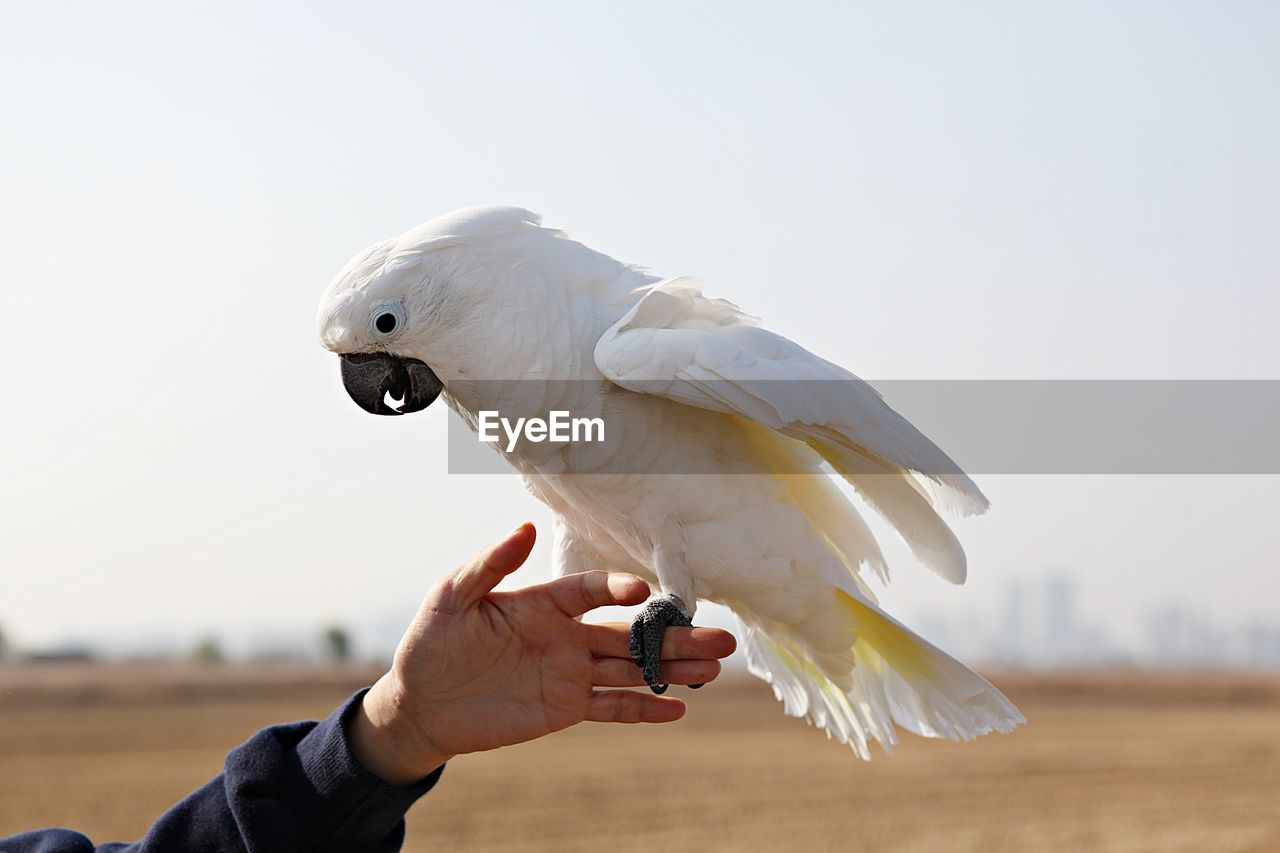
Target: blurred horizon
<point>1037,629</point>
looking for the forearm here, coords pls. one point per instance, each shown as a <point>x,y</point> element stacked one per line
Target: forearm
<point>291,787</point>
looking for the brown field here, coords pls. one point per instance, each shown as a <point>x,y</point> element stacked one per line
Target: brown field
<point>1117,762</point>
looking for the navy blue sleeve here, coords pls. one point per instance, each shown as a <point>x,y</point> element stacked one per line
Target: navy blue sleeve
<point>288,788</point>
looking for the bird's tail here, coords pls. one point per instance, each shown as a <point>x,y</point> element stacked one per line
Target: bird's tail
<point>897,677</point>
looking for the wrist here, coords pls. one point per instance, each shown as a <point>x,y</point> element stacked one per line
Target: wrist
<point>386,738</point>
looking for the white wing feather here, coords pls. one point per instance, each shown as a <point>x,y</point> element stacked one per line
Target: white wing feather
<point>679,344</point>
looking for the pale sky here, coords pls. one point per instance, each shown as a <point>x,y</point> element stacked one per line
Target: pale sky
<point>1003,190</point>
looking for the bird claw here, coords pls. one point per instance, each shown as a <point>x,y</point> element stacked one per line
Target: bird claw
<point>647,630</point>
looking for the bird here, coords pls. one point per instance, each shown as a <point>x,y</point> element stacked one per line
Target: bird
<point>715,478</point>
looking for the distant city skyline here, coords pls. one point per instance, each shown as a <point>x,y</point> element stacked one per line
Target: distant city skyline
<point>1040,626</point>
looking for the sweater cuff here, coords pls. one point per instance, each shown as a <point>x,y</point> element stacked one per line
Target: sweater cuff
<point>363,805</point>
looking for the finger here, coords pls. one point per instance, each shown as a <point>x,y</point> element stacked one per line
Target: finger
<point>477,579</point>
<point>627,706</point>
<point>618,672</point>
<point>576,594</point>
<point>613,640</point>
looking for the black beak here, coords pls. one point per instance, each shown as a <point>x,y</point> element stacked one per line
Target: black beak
<point>369,377</point>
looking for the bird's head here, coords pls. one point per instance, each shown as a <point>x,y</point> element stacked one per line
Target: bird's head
<point>409,314</point>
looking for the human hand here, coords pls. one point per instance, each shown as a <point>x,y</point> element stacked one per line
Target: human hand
<point>480,669</point>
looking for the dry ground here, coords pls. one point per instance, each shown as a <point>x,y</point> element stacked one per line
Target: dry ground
<point>1107,763</point>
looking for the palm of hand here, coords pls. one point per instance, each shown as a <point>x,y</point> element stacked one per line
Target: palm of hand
<point>480,669</point>
<point>512,668</point>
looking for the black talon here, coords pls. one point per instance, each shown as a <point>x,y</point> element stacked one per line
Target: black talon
<point>647,630</point>
<point>637,644</point>
<point>696,686</point>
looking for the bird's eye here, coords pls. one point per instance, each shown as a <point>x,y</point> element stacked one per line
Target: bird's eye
<point>387,317</point>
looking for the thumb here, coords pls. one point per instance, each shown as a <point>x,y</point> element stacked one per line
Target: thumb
<point>477,579</point>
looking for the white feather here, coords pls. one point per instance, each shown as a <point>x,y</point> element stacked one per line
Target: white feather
<point>675,342</point>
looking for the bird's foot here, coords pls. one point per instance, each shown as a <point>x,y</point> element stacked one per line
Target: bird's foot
<point>646,637</point>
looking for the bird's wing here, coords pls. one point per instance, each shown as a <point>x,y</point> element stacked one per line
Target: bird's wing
<point>679,344</point>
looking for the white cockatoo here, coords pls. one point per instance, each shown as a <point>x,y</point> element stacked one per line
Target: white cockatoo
<point>709,481</point>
